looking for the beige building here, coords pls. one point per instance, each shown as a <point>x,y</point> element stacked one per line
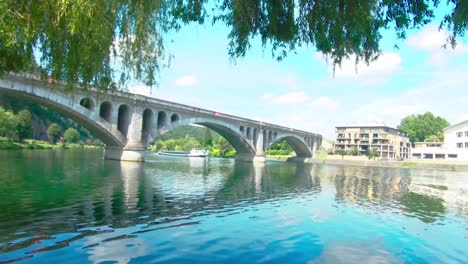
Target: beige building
<point>389,142</point>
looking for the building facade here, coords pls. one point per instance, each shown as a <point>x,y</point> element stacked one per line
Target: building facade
<point>388,142</point>
<point>454,147</point>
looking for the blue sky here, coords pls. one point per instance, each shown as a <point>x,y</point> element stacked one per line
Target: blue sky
<point>301,91</point>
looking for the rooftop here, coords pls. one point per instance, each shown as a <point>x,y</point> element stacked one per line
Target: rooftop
<point>457,124</point>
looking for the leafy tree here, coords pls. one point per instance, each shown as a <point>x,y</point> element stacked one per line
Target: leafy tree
<point>53,132</point>
<point>373,153</point>
<point>8,123</point>
<point>341,152</point>
<point>207,138</point>
<point>71,135</point>
<point>79,40</point>
<point>435,138</point>
<point>224,146</point>
<point>24,127</point>
<point>420,127</point>
<point>353,151</point>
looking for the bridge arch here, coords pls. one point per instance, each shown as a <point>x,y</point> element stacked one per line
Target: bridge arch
<point>162,122</point>
<point>299,146</point>
<point>175,118</point>
<point>147,125</point>
<point>230,132</point>
<point>87,103</point>
<point>123,119</point>
<point>70,107</point>
<point>105,111</point>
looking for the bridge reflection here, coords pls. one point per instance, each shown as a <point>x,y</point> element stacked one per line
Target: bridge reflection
<point>120,194</point>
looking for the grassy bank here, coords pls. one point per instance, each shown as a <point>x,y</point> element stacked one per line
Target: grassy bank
<point>37,144</point>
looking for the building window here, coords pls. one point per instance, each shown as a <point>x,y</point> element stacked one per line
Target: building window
<point>453,156</point>
<point>459,134</point>
<point>466,144</point>
<point>459,145</point>
<point>466,133</point>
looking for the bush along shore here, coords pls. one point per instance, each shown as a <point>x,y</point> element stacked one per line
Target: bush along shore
<point>7,144</point>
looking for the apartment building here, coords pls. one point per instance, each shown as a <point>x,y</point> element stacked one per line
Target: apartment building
<point>389,142</point>
<point>454,147</point>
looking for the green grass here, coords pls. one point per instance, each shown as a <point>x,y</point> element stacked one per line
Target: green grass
<point>407,164</point>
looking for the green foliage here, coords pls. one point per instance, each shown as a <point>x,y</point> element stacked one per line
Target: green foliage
<point>53,132</point>
<point>220,148</point>
<point>373,153</point>
<point>41,116</point>
<point>421,127</point>
<point>207,138</point>
<point>98,143</point>
<point>435,138</point>
<point>80,40</point>
<point>340,152</point>
<point>71,135</point>
<point>354,151</point>
<point>24,127</point>
<point>281,145</point>
<point>8,123</point>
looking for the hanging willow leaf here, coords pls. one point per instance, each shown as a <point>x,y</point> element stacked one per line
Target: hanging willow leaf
<point>106,43</point>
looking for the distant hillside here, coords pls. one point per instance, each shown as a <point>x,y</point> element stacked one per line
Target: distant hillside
<point>42,117</point>
<point>197,132</point>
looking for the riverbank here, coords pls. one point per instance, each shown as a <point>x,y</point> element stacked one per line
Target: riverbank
<point>5,144</point>
<point>443,165</point>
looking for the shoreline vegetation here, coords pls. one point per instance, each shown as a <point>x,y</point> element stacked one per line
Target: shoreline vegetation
<point>6,144</point>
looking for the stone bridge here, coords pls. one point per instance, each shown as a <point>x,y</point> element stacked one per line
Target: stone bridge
<point>127,122</point>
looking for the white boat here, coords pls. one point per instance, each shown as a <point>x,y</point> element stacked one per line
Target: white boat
<point>192,153</point>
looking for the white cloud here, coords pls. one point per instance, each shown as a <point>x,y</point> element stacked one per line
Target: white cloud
<point>431,39</point>
<point>443,95</point>
<point>140,89</point>
<point>287,98</point>
<point>187,80</point>
<point>325,102</point>
<point>376,72</point>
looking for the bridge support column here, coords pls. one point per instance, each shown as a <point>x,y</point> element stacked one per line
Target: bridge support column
<point>259,156</point>
<point>116,153</point>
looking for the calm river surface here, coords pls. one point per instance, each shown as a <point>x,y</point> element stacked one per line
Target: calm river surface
<point>73,207</point>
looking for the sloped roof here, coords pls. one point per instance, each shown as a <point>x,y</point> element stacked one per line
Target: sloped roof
<point>461,123</point>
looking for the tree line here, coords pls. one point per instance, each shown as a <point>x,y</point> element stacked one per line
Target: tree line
<point>18,127</point>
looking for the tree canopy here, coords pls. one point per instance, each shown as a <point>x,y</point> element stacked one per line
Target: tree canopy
<point>425,127</point>
<point>83,41</point>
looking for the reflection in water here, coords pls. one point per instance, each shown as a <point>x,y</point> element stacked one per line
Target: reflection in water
<point>54,200</point>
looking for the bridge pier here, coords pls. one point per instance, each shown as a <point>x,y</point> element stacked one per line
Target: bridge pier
<point>250,158</point>
<point>135,155</point>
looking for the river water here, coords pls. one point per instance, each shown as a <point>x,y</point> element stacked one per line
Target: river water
<point>74,207</point>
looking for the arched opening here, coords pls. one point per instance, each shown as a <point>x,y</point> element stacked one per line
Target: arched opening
<point>188,137</point>
<point>123,119</point>
<point>248,133</point>
<point>91,132</point>
<point>289,146</point>
<point>222,140</point>
<point>162,120</point>
<point>87,103</point>
<point>270,136</point>
<point>147,125</point>
<point>175,118</point>
<point>105,111</point>
<point>242,129</point>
